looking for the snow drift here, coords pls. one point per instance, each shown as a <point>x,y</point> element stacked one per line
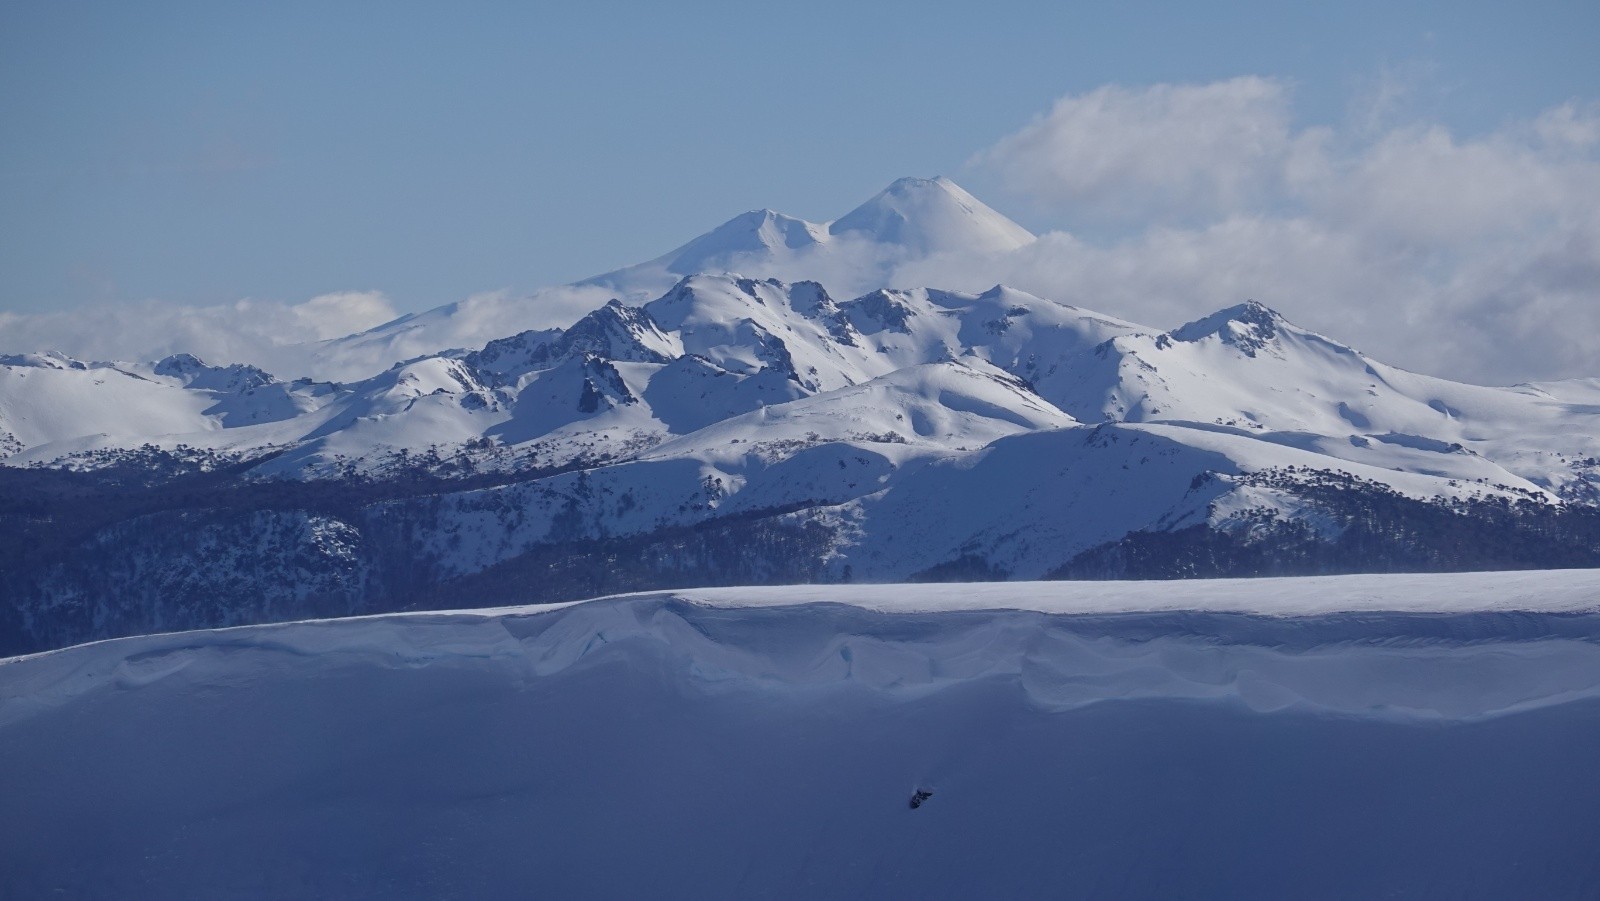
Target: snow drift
<point>1420,736</point>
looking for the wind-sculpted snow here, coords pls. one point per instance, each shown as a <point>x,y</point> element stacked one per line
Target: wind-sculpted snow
<point>1422,737</point>
<point>1407,647</point>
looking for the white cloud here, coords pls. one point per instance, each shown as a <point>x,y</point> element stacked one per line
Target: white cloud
<point>1425,187</point>
<point>331,336</point>
<point>333,315</point>
<point>483,317</point>
<point>321,337</point>
<point>1166,276</point>
<point>251,331</point>
<point>468,323</point>
<point>1473,257</point>
<point>1124,153</point>
<point>1569,126</point>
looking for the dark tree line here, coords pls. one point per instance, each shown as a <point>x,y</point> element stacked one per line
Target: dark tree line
<point>1378,530</point>
<point>134,548</point>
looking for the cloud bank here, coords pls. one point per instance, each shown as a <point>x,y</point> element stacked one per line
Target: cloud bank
<point>231,331</point>
<point>252,331</point>
<point>1128,154</point>
<point>1474,257</point>
<point>317,338</point>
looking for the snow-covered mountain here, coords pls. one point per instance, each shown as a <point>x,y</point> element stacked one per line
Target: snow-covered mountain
<point>912,219</point>
<point>730,428</point>
<point>722,361</point>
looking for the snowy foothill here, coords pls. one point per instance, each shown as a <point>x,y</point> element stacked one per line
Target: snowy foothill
<point>739,412</point>
<point>1424,735</point>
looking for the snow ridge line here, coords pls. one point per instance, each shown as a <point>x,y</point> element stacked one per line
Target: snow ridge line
<point>1408,667</point>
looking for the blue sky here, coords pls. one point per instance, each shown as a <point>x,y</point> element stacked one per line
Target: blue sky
<point>203,152</point>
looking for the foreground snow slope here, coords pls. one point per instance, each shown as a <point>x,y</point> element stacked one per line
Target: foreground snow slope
<point>1360,736</point>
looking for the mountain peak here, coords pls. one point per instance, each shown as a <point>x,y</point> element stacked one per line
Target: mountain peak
<point>1248,326</point>
<point>910,219</point>
<point>754,232</point>
<point>911,183</point>
<point>197,373</point>
<point>50,359</point>
<point>932,215</point>
<point>180,364</point>
<point>1251,313</point>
